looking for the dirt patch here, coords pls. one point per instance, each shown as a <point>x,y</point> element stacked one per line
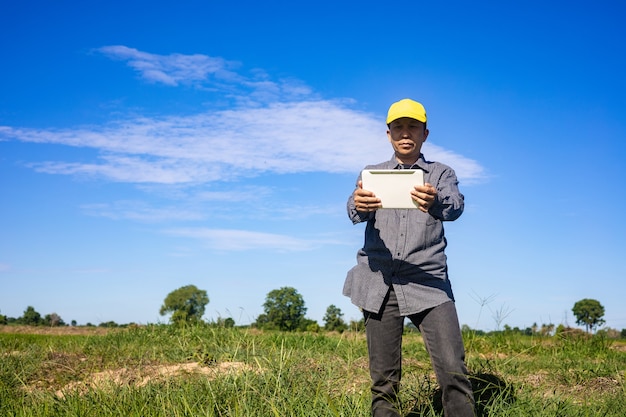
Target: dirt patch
<point>619,346</point>
<point>599,385</point>
<point>545,382</point>
<point>56,331</point>
<point>139,377</point>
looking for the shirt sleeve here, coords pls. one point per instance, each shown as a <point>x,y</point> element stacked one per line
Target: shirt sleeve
<point>450,202</point>
<point>355,215</point>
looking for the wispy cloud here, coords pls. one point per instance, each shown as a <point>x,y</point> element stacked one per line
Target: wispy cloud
<point>140,211</point>
<point>318,136</point>
<point>207,73</point>
<point>242,240</point>
<point>194,206</point>
<point>279,127</point>
<point>171,69</point>
<point>468,170</point>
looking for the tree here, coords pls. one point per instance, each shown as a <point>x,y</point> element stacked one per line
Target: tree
<point>186,304</point>
<point>284,310</point>
<point>228,322</point>
<point>309,325</point>
<point>589,313</point>
<point>31,317</point>
<point>357,325</point>
<point>333,319</point>
<point>53,320</point>
<point>547,329</point>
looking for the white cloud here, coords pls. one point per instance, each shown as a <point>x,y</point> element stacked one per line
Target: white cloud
<point>310,136</point>
<point>242,240</point>
<point>170,69</point>
<point>269,131</point>
<point>140,211</point>
<point>199,205</point>
<point>468,170</point>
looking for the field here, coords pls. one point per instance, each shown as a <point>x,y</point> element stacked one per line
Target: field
<point>161,370</point>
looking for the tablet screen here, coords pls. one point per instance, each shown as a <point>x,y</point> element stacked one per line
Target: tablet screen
<point>393,186</point>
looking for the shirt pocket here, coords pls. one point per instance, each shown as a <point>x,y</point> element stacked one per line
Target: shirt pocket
<point>426,230</point>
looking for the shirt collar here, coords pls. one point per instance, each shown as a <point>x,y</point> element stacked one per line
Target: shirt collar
<point>419,164</point>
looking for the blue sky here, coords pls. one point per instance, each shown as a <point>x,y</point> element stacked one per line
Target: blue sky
<point>149,145</point>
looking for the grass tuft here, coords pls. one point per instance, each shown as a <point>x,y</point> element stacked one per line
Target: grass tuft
<point>204,370</point>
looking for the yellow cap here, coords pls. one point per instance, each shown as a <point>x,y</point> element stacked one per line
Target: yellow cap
<point>406,108</point>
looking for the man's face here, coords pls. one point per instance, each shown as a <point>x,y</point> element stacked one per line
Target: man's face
<point>407,136</point>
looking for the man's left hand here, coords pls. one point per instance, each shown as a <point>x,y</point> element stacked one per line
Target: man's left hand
<point>424,196</point>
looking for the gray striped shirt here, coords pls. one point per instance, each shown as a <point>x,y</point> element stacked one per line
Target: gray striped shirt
<point>406,247</point>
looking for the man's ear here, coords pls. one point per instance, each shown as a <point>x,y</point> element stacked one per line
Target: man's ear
<point>426,132</point>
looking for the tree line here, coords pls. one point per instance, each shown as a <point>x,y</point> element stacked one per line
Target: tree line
<point>32,318</point>
<point>284,309</point>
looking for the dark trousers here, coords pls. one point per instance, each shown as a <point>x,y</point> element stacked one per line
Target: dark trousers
<point>440,330</point>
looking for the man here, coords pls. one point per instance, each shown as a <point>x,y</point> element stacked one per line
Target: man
<point>401,271</point>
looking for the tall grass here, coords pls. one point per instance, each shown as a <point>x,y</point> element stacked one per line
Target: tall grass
<point>243,372</point>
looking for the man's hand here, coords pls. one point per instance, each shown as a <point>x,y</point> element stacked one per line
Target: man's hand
<point>424,196</point>
<point>365,200</point>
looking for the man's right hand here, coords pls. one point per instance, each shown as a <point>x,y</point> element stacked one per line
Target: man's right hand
<point>365,200</point>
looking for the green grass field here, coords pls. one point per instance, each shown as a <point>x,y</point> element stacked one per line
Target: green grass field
<point>161,370</point>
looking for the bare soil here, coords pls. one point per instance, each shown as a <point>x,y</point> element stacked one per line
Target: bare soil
<point>58,330</point>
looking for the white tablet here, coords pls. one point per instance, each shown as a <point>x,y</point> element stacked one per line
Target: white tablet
<point>393,186</point>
